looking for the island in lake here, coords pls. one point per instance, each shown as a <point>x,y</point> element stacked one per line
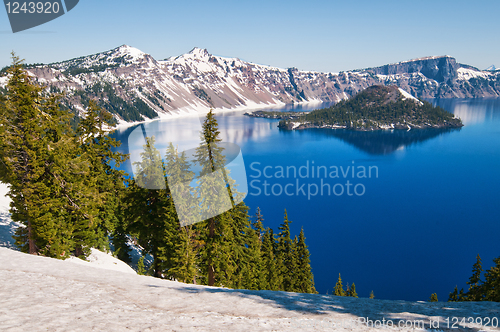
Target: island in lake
<point>375,108</point>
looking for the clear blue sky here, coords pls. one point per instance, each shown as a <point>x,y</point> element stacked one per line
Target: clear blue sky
<point>310,35</point>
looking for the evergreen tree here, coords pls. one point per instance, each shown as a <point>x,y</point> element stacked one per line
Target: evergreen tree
<point>182,261</point>
<point>475,292</point>
<point>339,289</point>
<point>256,261</point>
<point>258,224</point>
<point>216,234</point>
<point>97,147</point>
<point>120,243</point>
<point>242,251</point>
<point>462,296</point>
<point>60,182</point>
<point>352,291</point>
<point>453,297</point>
<point>151,212</point>
<point>304,279</point>
<point>271,275</point>
<point>286,255</point>
<point>141,269</point>
<point>226,259</point>
<point>253,270</point>
<point>492,283</point>
<point>433,298</point>
<point>43,168</point>
<point>5,118</point>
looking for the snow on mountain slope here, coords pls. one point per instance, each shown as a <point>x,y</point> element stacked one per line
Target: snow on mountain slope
<point>136,87</point>
<point>406,95</point>
<point>39,293</point>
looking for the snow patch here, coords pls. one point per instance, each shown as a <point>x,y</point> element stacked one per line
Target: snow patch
<point>467,74</point>
<point>135,53</point>
<point>104,261</point>
<point>407,95</point>
<point>7,226</point>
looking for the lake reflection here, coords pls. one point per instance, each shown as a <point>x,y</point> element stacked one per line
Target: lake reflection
<point>383,142</point>
<point>471,111</point>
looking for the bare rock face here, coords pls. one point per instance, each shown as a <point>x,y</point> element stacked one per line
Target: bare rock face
<point>135,86</point>
<point>440,69</point>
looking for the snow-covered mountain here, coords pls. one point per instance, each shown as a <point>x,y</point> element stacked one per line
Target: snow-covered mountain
<point>134,86</point>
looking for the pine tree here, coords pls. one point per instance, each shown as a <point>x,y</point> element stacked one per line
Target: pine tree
<point>271,275</point>
<point>372,295</point>
<point>182,261</point>
<point>42,166</point>
<point>462,296</point>
<point>151,212</point>
<point>243,257</point>
<point>286,255</point>
<point>453,297</point>
<point>225,255</point>
<point>23,130</point>
<point>352,291</point>
<point>5,118</point>
<point>256,261</point>
<point>97,147</point>
<point>475,292</point>
<point>253,269</point>
<point>216,234</point>
<point>258,224</point>
<point>339,289</point>
<point>141,269</point>
<point>120,242</point>
<point>433,298</point>
<point>304,279</point>
<point>492,283</point>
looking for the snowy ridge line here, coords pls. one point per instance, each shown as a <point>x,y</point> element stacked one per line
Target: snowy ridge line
<point>198,81</point>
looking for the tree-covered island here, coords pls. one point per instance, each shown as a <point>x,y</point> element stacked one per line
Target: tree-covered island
<point>377,107</point>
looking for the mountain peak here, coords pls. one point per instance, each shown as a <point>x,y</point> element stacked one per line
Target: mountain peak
<point>492,68</point>
<point>135,53</point>
<point>201,52</point>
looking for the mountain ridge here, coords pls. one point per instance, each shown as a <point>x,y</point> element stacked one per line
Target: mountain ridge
<point>134,86</point>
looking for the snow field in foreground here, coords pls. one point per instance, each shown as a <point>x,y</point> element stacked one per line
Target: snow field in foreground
<point>44,294</point>
<point>39,293</point>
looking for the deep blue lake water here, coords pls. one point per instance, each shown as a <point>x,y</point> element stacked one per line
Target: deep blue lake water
<point>411,229</point>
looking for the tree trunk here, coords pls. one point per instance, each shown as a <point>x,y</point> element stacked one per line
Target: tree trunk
<point>32,249</point>
<point>78,251</point>
<point>211,272</point>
